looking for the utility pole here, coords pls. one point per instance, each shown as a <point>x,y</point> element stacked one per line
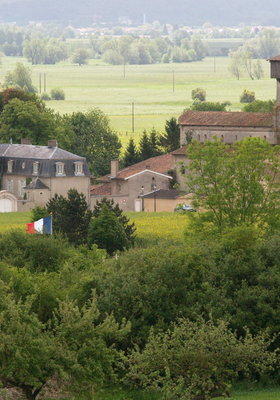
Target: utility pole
<point>124,70</point>
<point>132,114</point>
<point>40,85</point>
<point>214,64</point>
<point>173,80</point>
<point>45,82</point>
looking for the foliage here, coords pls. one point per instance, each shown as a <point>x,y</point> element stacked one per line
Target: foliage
<point>80,56</point>
<point>209,106</point>
<point>170,140</point>
<point>247,96</point>
<point>149,145</point>
<point>45,97</point>
<point>21,78</point>
<point>94,139</point>
<point>13,93</point>
<point>260,106</point>
<point>73,347</point>
<point>27,119</point>
<point>37,253</point>
<point>71,216</point>
<point>235,185</point>
<point>199,94</point>
<point>106,231</point>
<point>131,155</point>
<point>38,213</point>
<point>198,360</point>
<point>57,94</point>
<point>129,228</point>
<point>44,51</point>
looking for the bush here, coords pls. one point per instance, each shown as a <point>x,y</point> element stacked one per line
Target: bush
<point>199,94</point>
<point>198,360</point>
<point>38,213</point>
<point>260,106</point>
<point>45,97</point>
<point>209,106</point>
<point>107,232</point>
<point>57,94</point>
<point>247,96</point>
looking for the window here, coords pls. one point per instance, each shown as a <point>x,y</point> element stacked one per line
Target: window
<point>21,185</point>
<point>79,170</point>
<point>10,185</point>
<point>35,168</point>
<point>59,168</point>
<point>10,166</point>
<point>23,165</point>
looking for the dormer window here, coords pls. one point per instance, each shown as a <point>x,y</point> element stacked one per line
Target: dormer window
<point>59,168</point>
<point>79,168</point>
<point>35,168</point>
<point>10,166</point>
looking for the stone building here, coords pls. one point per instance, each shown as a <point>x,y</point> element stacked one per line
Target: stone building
<point>31,175</point>
<point>231,127</point>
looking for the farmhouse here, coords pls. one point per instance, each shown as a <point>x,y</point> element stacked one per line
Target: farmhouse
<point>231,127</point>
<point>31,175</point>
<point>127,186</point>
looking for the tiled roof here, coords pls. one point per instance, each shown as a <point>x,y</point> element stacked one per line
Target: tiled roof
<point>226,118</point>
<point>180,152</point>
<point>101,190</point>
<point>160,164</point>
<point>276,58</point>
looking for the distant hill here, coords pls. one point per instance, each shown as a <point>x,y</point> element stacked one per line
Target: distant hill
<point>188,12</point>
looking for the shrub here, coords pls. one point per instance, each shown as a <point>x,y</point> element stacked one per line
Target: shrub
<point>107,232</point>
<point>57,94</point>
<point>247,96</point>
<point>38,213</point>
<point>260,106</point>
<point>199,94</point>
<point>45,97</point>
<point>209,106</point>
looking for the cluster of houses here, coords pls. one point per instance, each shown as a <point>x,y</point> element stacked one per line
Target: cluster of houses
<point>31,175</point>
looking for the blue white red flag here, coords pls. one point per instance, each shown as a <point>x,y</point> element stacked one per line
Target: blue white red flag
<point>43,226</point>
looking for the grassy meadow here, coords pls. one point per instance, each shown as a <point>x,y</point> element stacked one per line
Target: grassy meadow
<point>149,87</point>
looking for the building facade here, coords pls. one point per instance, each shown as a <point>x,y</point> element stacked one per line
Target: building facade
<point>34,174</point>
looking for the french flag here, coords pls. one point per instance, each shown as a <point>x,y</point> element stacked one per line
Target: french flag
<point>43,226</point>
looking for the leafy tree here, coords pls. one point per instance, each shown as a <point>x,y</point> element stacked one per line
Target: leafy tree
<point>199,94</point>
<point>57,94</point>
<point>235,66</point>
<point>209,106</point>
<point>238,185</point>
<point>106,231</point>
<point>34,50</point>
<point>198,360</point>
<point>170,140</point>
<point>80,56</point>
<point>131,155</point>
<point>260,106</point>
<point>247,96</point>
<point>94,139</point>
<point>21,78</point>
<point>129,228</point>
<point>21,119</point>
<point>74,347</point>
<point>71,216</point>
<point>258,70</point>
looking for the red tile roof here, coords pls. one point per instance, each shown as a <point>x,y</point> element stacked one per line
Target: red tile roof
<point>159,164</point>
<point>226,118</point>
<point>180,152</point>
<point>276,58</point>
<point>101,190</point>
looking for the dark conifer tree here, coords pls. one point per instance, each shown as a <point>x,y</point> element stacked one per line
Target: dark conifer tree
<point>170,140</point>
<point>131,155</point>
<point>145,147</point>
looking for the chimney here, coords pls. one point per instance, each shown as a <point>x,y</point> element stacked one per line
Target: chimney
<point>52,143</point>
<point>25,141</point>
<point>114,168</point>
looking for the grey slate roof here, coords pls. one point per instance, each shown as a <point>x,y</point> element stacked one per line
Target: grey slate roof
<point>36,152</point>
<point>164,194</point>
<point>36,184</point>
<point>24,155</point>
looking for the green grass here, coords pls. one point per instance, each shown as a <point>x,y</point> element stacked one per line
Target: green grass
<point>148,86</point>
<point>14,220</point>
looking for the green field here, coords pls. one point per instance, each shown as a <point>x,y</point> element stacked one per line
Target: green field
<point>149,87</point>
